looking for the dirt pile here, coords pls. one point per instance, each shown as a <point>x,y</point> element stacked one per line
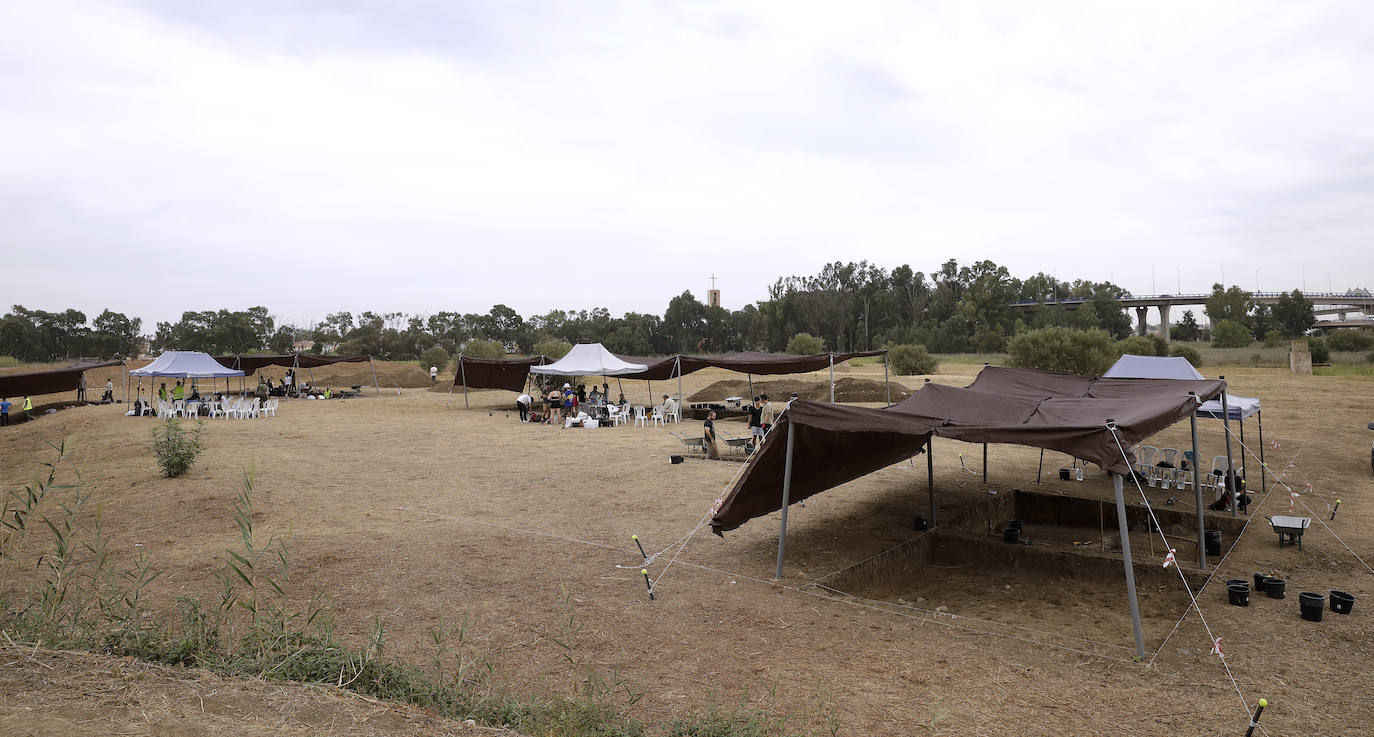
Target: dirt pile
<point>847,389</point>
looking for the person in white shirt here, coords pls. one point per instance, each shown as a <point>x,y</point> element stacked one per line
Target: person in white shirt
<point>523,403</point>
<point>669,406</point>
<point>433,375</point>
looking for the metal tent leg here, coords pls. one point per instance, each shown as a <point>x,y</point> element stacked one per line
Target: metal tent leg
<point>930,476</point>
<point>786,498</point>
<point>1197,495</point>
<point>832,378</point>
<point>1229,480</point>
<point>985,463</point>
<point>1126,560</point>
<point>464,373</point>
<point>1264,484</point>
<point>887,383</point>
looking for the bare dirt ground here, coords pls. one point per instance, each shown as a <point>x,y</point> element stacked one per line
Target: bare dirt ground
<point>409,507</point>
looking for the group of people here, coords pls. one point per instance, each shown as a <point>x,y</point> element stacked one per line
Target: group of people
<point>569,405</point>
<point>26,407</point>
<point>762,415</point>
<point>106,398</point>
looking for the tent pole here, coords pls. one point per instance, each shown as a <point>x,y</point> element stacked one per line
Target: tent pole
<point>887,384</point>
<point>1197,491</point>
<point>832,378</point>
<point>786,498</point>
<point>124,369</point>
<point>1264,486</point>
<point>679,382</point>
<point>985,463</point>
<point>1230,478</point>
<point>1126,560</point>
<point>375,386</point>
<point>751,386</point>
<point>1040,468</point>
<point>650,384</point>
<point>462,370</point>
<point>930,475</point>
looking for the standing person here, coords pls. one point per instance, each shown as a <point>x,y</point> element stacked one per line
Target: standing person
<point>162,391</point>
<point>755,422</point>
<point>4,411</point>
<point>433,375</point>
<point>286,382</point>
<point>26,408</point>
<point>555,406</point>
<point>581,394</point>
<point>770,415</point>
<point>109,392</point>
<point>708,433</point>
<point>178,392</point>
<point>569,401</point>
<point>81,389</point>
<point>522,403</point>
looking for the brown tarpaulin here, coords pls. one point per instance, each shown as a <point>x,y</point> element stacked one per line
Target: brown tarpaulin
<point>250,363</point>
<point>32,383</point>
<point>749,362</point>
<point>836,444</point>
<point>493,373</point>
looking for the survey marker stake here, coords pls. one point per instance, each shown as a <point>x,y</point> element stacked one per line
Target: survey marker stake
<point>1255,722</point>
<point>647,584</point>
<point>642,554</point>
<point>1334,509</point>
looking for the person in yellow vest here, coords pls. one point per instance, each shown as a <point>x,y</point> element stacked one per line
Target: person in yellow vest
<point>329,393</point>
<point>27,407</point>
<point>178,392</point>
<point>162,391</point>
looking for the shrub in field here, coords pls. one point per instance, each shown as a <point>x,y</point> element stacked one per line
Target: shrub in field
<point>1230,334</point>
<point>1188,352</point>
<point>911,360</point>
<point>1085,352</point>
<point>1338,340</point>
<point>1320,352</point>
<point>8,362</point>
<point>805,344</point>
<point>554,349</point>
<point>1273,339</point>
<point>483,349</point>
<point>434,356</point>
<point>175,448</point>
<point>1143,345</point>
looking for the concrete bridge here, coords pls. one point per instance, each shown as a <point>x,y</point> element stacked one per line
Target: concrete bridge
<point>1325,303</point>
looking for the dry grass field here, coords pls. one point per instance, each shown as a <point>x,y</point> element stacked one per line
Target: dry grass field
<point>408,507</point>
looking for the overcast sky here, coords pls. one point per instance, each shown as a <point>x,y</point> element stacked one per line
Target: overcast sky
<point>170,155</point>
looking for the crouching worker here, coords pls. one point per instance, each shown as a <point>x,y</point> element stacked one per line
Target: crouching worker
<point>522,403</point>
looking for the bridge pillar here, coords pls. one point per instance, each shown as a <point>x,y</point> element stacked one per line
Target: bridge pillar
<point>1140,320</point>
<point>1164,322</point>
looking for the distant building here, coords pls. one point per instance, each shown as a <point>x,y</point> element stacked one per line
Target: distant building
<point>713,298</point>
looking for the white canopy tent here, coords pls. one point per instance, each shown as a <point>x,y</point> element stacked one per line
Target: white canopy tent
<point>186,365</point>
<point>589,359</point>
<point>1229,407</point>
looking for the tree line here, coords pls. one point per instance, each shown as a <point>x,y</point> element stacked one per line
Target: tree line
<point>849,306</point>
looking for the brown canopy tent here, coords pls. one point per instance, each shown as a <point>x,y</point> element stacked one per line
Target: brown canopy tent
<point>494,373</point>
<point>827,445</point>
<point>750,363</point>
<point>251,362</point>
<point>51,381</point>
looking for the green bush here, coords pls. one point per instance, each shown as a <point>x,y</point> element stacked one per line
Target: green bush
<point>1084,352</point>
<point>1188,352</point>
<point>8,362</point>
<point>483,349</point>
<point>912,360</point>
<point>554,349</point>
<point>175,448</point>
<point>434,356</point>
<point>1320,353</point>
<point>1141,345</point>
<point>1338,340</point>
<point>805,344</point>
<point>1273,339</point>
<point>1230,334</point>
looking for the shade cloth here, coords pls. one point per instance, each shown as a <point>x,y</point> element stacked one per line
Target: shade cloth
<point>52,381</point>
<point>835,444</point>
<point>494,373</point>
<point>751,362</point>
<point>589,359</point>
<point>186,365</point>
<point>249,363</point>
<point>1159,367</point>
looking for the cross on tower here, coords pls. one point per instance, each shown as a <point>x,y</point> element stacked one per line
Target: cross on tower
<point>713,281</point>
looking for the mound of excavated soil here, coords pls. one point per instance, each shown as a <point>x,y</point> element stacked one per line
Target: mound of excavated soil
<point>847,389</point>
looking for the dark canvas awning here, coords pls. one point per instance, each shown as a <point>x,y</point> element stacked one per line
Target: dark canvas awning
<point>493,373</point>
<point>52,381</point>
<point>751,362</point>
<point>836,444</point>
<point>251,362</point>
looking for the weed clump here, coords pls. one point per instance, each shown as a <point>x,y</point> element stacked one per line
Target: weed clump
<point>176,448</point>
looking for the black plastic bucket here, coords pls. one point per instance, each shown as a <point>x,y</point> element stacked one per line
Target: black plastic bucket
<point>1342,602</point>
<point>1009,534</point>
<point>1233,581</point>
<point>675,459</point>
<point>1212,539</point>
<point>1238,594</point>
<point>1015,524</point>
<point>1259,581</point>
<point>1274,588</point>
<point>920,523</point>
<point>1311,605</point>
<point>1064,474</point>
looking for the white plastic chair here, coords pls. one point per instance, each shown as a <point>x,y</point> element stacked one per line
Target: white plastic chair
<point>641,419</point>
<point>657,416</point>
<point>616,415</point>
<point>268,406</point>
<point>249,409</point>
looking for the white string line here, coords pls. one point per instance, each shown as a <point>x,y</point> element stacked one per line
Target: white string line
<point>1318,517</point>
<point>1244,705</point>
<point>935,613</point>
<point>878,554</point>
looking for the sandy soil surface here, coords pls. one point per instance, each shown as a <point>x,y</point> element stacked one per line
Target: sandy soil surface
<point>409,507</point>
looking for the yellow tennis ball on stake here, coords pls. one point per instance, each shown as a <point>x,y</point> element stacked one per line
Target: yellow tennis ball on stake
<point>1264,702</point>
<point>636,537</point>
<point>644,571</point>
